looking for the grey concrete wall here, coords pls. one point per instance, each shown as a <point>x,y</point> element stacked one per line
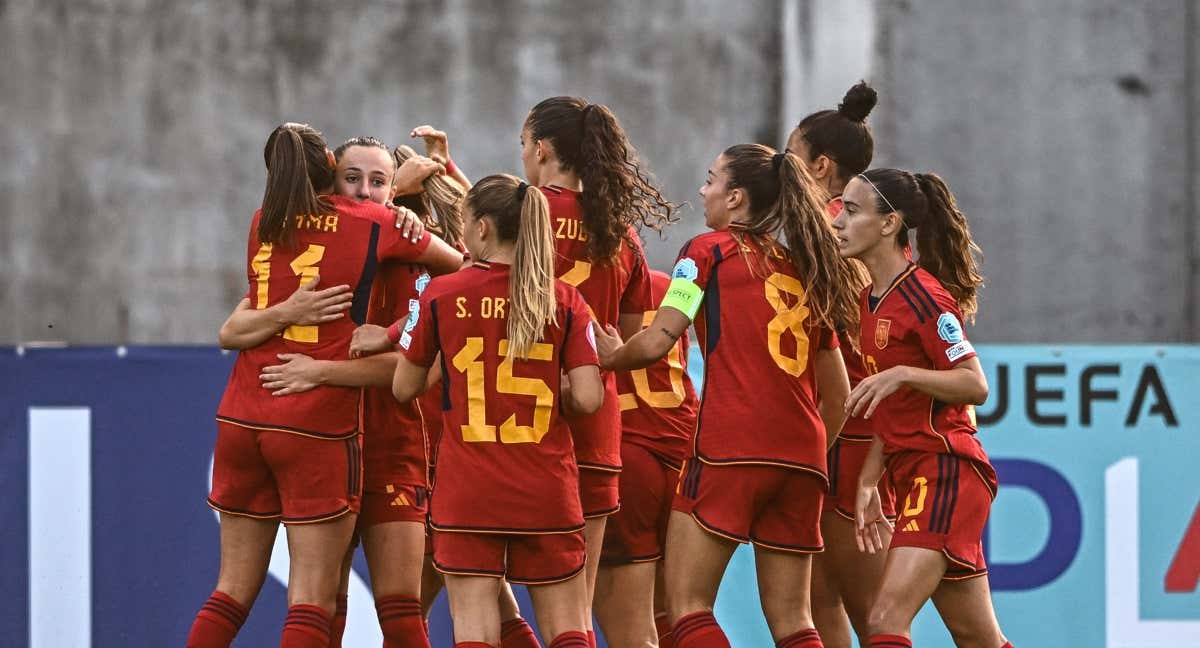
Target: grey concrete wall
<point>133,131</point>
<point>1067,130</point>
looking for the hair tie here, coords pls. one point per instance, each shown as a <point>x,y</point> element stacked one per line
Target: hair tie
<point>522,188</point>
<point>777,160</point>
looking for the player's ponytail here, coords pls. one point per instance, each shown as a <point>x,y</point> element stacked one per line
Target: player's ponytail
<point>297,164</point>
<point>784,201</point>
<point>440,203</point>
<point>522,217</point>
<point>617,192</point>
<point>945,248</point>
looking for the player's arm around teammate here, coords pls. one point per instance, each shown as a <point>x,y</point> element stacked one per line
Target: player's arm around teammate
<point>836,145</point>
<point>925,378</point>
<point>764,313</point>
<point>294,460</point>
<point>506,505</point>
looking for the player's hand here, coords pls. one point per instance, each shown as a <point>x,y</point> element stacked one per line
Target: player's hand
<point>868,393</point>
<point>369,339</point>
<point>309,306</point>
<point>298,373</point>
<point>437,146</point>
<point>410,225</point>
<point>608,343</point>
<point>868,515</point>
<point>413,172</point>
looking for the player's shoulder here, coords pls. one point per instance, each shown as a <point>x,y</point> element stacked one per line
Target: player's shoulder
<point>563,202</point>
<point>926,287</point>
<point>566,294</point>
<point>455,283</point>
<point>364,209</point>
<point>715,243</point>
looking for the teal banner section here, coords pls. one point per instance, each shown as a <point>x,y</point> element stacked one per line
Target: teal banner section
<point>1094,537</point>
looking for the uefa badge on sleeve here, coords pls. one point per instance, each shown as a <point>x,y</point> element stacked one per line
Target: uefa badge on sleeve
<point>882,328</point>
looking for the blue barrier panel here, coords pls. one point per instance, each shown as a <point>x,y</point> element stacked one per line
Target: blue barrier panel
<point>1094,537</point>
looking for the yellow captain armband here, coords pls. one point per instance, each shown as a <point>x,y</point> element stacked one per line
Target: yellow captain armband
<point>684,296</point>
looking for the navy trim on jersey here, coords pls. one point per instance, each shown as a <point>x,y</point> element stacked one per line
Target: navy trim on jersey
<point>362,292</point>
<point>562,357</point>
<point>911,304</point>
<point>437,339</point>
<point>922,296</point>
<point>712,303</point>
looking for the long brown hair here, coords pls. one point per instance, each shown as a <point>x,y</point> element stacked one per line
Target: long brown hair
<point>785,201</point>
<point>617,192</point>
<point>521,215</point>
<point>441,202</point>
<point>297,166</point>
<point>945,248</point>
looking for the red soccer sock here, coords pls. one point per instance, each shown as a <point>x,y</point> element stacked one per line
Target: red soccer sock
<point>516,633</point>
<point>306,626</point>
<point>663,626</point>
<point>573,639</point>
<point>889,641</point>
<point>699,630</point>
<point>1007,644</point>
<point>591,638</point>
<point>804,639</point>
<point>217,622</point>
<point>401,621</point>
<point>472,644</point>
<point>337,627</point>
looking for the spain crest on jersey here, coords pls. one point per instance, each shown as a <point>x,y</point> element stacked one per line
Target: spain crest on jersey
<point>882,328</point>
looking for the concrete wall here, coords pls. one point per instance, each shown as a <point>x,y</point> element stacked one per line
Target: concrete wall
<point>133,133</point>
<point>1067,130</point>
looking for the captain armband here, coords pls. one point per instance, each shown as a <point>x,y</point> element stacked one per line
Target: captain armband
<point>684,296</point>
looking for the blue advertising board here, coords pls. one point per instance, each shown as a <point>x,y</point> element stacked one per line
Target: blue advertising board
<point>105,457</point>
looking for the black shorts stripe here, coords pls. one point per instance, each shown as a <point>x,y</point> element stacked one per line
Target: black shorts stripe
<point>316,518</point>
<point>265,427</point>
<point>952,500</point>
<point>502,530</point>
<point>228,509</point>
<point>911,304</point>
<point>935,508</point>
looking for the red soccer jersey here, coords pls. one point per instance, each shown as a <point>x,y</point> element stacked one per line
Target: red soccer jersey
<point>916,323</point>
<point>506,461</point>
<point>345,247</point>
<point>759,403</point>
<point>658,403</point>
<point>610,289</point>
<point>395,448</point>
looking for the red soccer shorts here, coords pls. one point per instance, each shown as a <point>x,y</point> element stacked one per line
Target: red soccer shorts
<point>944,503</point>
<point>530,559</point>
<point>299,479</point>
<point>636,533</point>
<point>846,459</point>
<point>394,503</point>
<point>773,507</point>
<point>599,492</point>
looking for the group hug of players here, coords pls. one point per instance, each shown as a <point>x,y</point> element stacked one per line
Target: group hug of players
<point>484,383</point>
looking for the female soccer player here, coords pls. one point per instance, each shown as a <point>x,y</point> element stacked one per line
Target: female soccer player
<point>296,458</point>
<point>395,462</point>
<point>506,504</point>
<point>577,153</point>
<point>774,385</point>
<point>836,145</point>
<point>924,379</point>
<point>658,415</point>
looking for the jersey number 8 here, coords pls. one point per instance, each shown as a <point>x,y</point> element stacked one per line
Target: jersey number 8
<point>787,318</point>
